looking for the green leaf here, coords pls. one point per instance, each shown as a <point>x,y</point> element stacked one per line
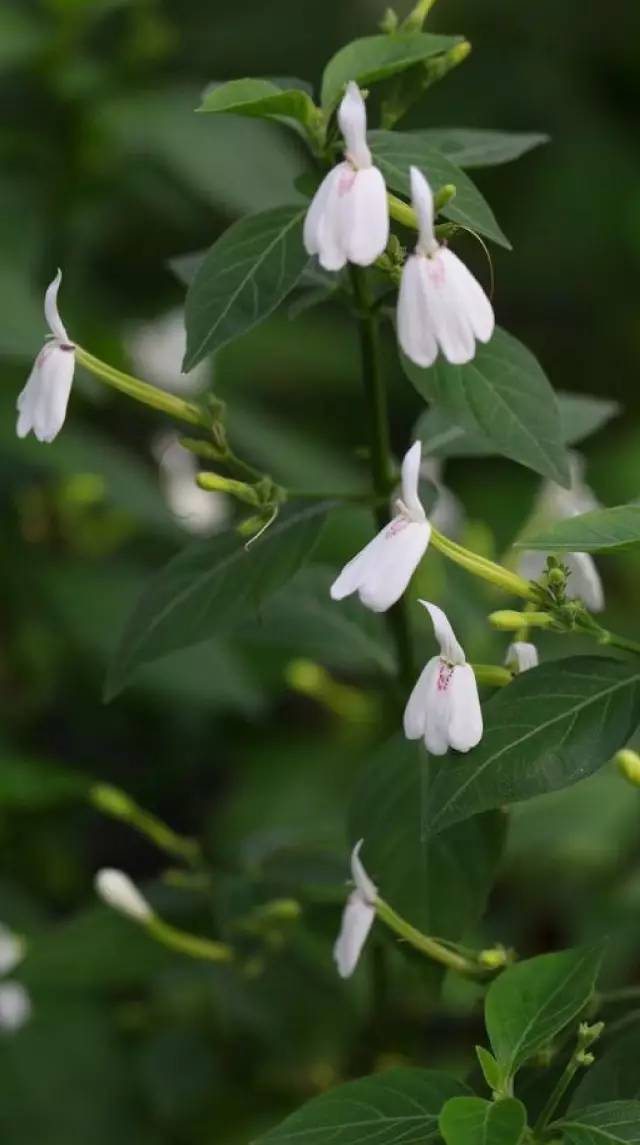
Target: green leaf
<point>208,587</point>
<point>580,415</point>
<point>470,148</point>
<point>531,1002</point>
<point>616,1122</point>
<point>602,531</point>
<point>490,1068</point>
<point>614,1075</point>
<point>259,99</point>
<point>439,882</point>
<point>398,1107</point>
<point>553,726</point>
<point>396,151</point>
<point>376,58</point>
<point>245,276</point>
<point>27,785</point>
<point>474,1121</point>
<point>505,395</point>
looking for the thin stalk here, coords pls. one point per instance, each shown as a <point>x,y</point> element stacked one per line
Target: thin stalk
<point>141,391</point>
<point>480,566</point>
<point>556,1095</point>
<point>616,641</point>
<point>426,945</point>
<point>382,473</point>
<point>190,944</point>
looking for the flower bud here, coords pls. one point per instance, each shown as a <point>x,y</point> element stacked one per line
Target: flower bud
<point>508,620</point>
<point>628,763</point>
<point>118,891</point>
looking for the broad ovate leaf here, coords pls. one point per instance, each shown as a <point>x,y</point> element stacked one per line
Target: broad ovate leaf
<point>612,1123</point>
<point>614,530</point>
<point>505,396</point>
<point>469,147</point>
<point>474,1121</point>
<point>398,1107</point>
<point>375,58</point>
<point>247,273</point>
<point>259,99</point>
<point>533,1001</point>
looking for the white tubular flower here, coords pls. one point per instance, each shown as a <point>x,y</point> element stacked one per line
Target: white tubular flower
<point>382,570</point>
<point>444,708</point>
<point>15,1007</point>
<point>441,306</point>
<point>118,891</point>
<point>348,220</point>
<point>42,405</point>
<point>11,950</point>
<point>557,504</point>
<point>521,656</point>
<point>357,918</point>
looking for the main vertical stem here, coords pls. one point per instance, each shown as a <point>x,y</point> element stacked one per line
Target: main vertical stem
<point>381,468</point>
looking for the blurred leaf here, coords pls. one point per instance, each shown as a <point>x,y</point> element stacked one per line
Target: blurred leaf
<point>580,415</point>
<point>395,152</point>
<point>440,882</point>
<point>208,587</point>
<point>613,530</point>
<point>553,726</point>
<point>245,276</point>
<point>505,394</point>
<point>614,1076</point>
<point>401,1104</point>
<point>474,1121</point>
<point>531,1002</point>
<point>260,99</point>
<point>375,58</point>
<point>27,785</point>
<point>303,617</point>
<point>469,147</point>
<point>615,1122</point>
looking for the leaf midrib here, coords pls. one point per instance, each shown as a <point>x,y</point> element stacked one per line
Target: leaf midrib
<point>629,680</point>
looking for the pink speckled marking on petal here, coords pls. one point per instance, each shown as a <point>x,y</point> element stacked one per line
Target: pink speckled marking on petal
<point>347,179</point>
<point>398,525</point>
<point>445,675</point>
<point>436,271</point>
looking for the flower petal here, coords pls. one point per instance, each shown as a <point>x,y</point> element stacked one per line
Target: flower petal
<point>521,656</point>
<point>410,481</point>
<point>366,887</point>
<point>438,709</point>
<point>422,199</point>
<point>365,218</point>
<point>54,321</point>
<point>465,718</point>
<point>584,581</point>
<point>382,570</point>
<point>15,1006</point>
<point>415,332</point>
<point>322,233</point>
<point>450,650</point>
<point>56,376</point>
<point>447,314</point>
<point>352,120</point>
<point>415,713</point>
<point>472,298</point>
<point>357,920</point>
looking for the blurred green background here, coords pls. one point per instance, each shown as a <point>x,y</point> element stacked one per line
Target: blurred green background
<point>106,172</point>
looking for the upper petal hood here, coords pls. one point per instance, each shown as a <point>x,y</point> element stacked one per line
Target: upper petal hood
<point>411,481</point>
<point>450,650</point>
<point>352,120</point>
<point>54,321</point>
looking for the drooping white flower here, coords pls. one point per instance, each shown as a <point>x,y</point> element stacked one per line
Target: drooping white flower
<point>118,891</point>
<point>15,1007</point>
<point>382,570</point>
<point>357,919</point>
<point>557,504</point>
<point>521,656</point>
<point>444,708</point>
<point>11,950</point>
<point>348,220</point>
<point>42,404</point>
<point>441,306</point>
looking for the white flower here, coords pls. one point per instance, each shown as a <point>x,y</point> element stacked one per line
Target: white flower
<point>15,1007</point>
<point>11,950</point>
<point>197,511</point>
<point>42,405</point>
<point>557,504</point>
<point>440,305</point>
<point>521,656</point>
<point>118,891</point>
<point>357,918</point>
<point>382,570</point>
<point>348,220</point>
<point>444,708</point>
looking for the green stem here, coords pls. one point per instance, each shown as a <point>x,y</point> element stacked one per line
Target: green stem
<point>141,391</point>
<point>382,473</point>
<point>189,944</point>
<point>426,945</point>
<point>414,22</point>
<point>610,638</point>
<point>482,567</point>
<point>556,1095</point>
